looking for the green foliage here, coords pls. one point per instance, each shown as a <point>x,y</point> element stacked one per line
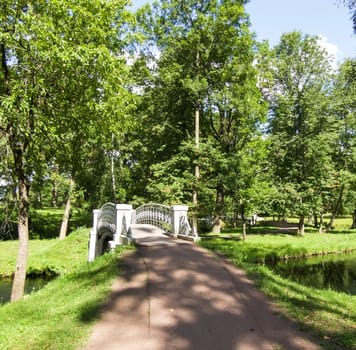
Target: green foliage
<point>122,128</point>
<point>63,77</point>
<point>302,131</point>
<point>344,154</point>
<point>204,66</point>
<point>172,180</point>
<point>45,223</point>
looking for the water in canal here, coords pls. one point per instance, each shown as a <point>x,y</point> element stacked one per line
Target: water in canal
<point>337,272</point>
<point>32,285</point>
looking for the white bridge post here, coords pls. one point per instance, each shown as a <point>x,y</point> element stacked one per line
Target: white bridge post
<point>123,216</point>
<point>177,212</point>
<point>93,238</point>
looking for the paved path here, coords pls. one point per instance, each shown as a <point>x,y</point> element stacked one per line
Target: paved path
<point>176,295</point>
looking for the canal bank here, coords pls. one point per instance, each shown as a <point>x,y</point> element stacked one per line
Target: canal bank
<point>329,315</point>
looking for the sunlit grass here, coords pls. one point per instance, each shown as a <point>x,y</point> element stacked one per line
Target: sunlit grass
<point>329,315</point>
<point>259,248</point>
<point>61,256</point>
<point>60,315</point>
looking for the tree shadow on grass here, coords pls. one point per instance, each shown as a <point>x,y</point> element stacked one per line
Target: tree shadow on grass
<point>306,303</point>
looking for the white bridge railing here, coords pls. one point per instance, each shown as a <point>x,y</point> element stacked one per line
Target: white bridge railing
<point>112,224</point>
<point>111,227</point>
<point>155,214</point>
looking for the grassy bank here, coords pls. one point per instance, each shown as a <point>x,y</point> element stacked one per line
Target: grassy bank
<point>50,255</point>
<point>60,315</point>
<point>260,247</point>
<point>330,316</point>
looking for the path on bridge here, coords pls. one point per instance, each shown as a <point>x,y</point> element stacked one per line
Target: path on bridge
<point>173,294</point>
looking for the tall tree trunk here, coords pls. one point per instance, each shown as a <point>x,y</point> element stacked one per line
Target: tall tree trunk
<point>301,225</point>
<point>54,198</point>
<point>243,221</point>
<point>54,182</point>
<point>196,172</point>
<point>354,220</point>
<point>18,285</point>
<point>321,223</point>
<point>65,219</point>
<point>310,219</point>
<point>316,220</point>
<point>197,141</point>
<point>336,208</point>
<point>244,230</point>
<point>218,208</point>
<point>113,179</point>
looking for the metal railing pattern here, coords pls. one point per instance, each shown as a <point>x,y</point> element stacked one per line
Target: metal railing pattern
<point>159,215</point>
<point>185,231</point>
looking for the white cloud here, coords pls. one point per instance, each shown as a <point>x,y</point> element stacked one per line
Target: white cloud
<point>332,49</point>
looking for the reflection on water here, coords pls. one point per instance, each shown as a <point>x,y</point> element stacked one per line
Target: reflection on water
<point>337,272</point>
<point>32,285</point>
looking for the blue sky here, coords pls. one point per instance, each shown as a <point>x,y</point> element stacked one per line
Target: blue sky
<point>271,18</point>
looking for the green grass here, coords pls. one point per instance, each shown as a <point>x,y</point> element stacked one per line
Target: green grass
<point>47,255</point>
<point>259,248</point>
<point>330,316</point>
<point>61,315</point>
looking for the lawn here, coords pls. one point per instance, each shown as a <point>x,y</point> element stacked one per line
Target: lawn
<point>61,315</point>
<point>47,255</point>
<point>330,316</point>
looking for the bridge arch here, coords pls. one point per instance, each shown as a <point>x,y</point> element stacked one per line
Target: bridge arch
<point>112,224</point>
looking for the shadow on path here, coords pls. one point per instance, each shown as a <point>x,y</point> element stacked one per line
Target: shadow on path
<point>183,297</point>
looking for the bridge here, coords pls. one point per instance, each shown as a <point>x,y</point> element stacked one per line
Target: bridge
<point>116,224</point>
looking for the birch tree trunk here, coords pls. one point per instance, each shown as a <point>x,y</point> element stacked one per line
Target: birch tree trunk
<point>65,220</point>
<point>321,223</point>
<point>218,208</point>
<point>196,172</point>
<point>301,225</point>
<point>18,285</point>
<point>113,179</point>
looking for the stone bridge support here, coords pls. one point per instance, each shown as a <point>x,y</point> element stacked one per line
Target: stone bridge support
<point>109,231</point>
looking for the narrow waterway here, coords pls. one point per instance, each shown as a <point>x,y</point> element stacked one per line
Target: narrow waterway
<point>32,285</point>
<point>336,272</point>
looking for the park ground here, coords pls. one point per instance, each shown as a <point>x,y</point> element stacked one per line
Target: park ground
<point>73,299</point>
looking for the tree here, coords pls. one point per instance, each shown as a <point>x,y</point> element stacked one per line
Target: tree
<point>55,58</point>
<point>301,132</point>
<point>344,154</point>
<point>203,87</point>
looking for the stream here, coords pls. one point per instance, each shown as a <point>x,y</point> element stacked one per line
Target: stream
<point>32,285</point>
<point>336,272</point>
